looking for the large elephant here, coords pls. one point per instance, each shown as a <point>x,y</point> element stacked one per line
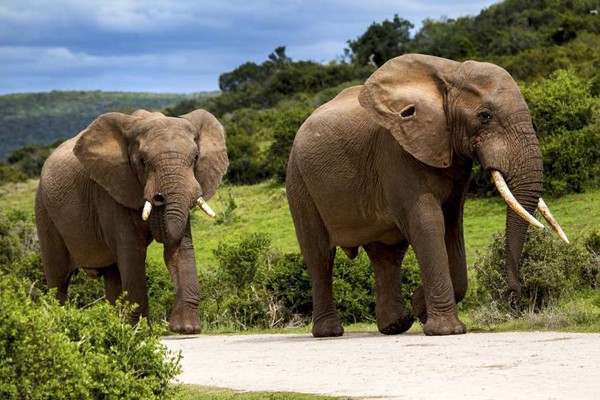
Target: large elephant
<point>125,180</point>
<point>387,164</point>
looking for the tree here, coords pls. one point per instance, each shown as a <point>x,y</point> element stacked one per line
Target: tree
<point>381,42</point>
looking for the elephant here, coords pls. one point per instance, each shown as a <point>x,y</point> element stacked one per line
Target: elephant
<point>122,182</point>
<point>387,164</point>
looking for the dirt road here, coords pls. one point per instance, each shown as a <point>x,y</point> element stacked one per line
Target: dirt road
<point>411,366</point>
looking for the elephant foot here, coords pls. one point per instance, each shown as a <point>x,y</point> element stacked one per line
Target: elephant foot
<point>327,328</point>
<point>185,320</point>
<point>444,325</point>
<point>396,324</point>
<point>419,307</point>
<point>400,325</point>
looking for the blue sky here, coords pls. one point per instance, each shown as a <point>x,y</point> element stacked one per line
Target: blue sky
<point>180,46</point>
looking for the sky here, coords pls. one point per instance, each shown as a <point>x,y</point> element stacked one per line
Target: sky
<point>181,46</point>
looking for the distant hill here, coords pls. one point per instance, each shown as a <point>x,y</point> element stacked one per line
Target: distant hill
<point>42,118</point>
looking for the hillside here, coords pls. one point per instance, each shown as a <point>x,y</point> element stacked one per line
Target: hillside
<point>42,118</point>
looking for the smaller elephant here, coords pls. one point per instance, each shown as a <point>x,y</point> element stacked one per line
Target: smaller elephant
<point>122,182</point>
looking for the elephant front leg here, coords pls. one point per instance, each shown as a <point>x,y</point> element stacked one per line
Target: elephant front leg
<point>427,236</point>
<point>181,262</point>
<point>455,247</point>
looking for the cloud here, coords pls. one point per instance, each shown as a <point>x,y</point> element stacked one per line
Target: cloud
<point>114,44</point>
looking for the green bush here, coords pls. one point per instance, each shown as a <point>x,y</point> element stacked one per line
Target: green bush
<point>287,123</point>
<point>550,271</point>
<point>20,258</point>
<point>233,294</point>
<point>9,174</point>
<point>48,351</point>
<point>161,294</point>
<point>567,121</point>
<point>354,288</point>
<point>254,285</point>
<point>568,124</point>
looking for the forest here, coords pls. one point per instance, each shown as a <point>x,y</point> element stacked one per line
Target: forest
<point>43,118</point>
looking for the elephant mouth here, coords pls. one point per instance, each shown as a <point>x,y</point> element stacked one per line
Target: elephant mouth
<point>159,226</point>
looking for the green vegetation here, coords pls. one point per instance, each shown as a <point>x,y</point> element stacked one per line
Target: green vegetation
<point>552,46</point>
<point>193,392</point>
<point>251,272</point>
<point>252,275</point>
<point>87,351</point>
<point>42,118</point>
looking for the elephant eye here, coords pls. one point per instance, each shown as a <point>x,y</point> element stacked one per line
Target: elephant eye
<point>142,162</point>
<point>485,117</point>
<point>196,159</point>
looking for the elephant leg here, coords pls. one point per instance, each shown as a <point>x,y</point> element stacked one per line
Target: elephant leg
<point>181,262</point>
<point>392,317</point>
<point>132,269</point>
<point>318,255</point>
<point>56,261</point>
<point>455,248</point>
<point>427,236</point>
<point>326,322</point>
<point>112,283</point>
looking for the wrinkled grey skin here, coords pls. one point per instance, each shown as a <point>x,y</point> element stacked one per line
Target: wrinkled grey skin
<point>90,198</point>
<point>387,164</point>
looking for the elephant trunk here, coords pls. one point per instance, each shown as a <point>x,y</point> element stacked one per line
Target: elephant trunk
<point>170,210</point>
<point>516,231</point>
<point>526,184</point>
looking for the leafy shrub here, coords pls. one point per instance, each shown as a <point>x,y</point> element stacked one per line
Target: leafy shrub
<point>79,354</point>
<point>20,258</point>
<point>19,248</point>
<point>550,271</point>
<point>9,174</point>
<point>591,275</point>
<point>228,216</point>
<point>567,121</point>
<point>30,158</point>
<point>568,124</point>
<point>289,282</point>
<point>255,285</point>
<point>354,288</point>
<point>286,125</point>
<point>161,294</point>
<point>233,294</point>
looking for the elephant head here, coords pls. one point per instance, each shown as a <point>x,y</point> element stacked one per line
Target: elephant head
<point>162,164</point>
<point>441,110</point>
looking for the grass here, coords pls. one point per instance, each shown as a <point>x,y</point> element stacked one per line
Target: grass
<point>263,208</point>
<point>194,392</point>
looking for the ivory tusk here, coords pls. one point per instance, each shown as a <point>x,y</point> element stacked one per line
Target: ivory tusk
<point>146,211</point>
<point>206,208</point>
<point>545,211</point>
<point>511,201</point>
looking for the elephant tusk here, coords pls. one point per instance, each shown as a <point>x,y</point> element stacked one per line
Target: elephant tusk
<point>146,211</point>
<point>511,201</point>
<point>205,207</point>
<point>545,211</point>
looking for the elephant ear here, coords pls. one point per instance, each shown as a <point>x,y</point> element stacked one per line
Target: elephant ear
<point>213,162</point>
<point>406,96</point>
<point>102,149</point>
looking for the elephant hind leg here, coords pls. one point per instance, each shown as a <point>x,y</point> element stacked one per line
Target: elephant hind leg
<point>319,256</point>
<point>56,261</point>
<point>392,317</point>
<point>112,283</point>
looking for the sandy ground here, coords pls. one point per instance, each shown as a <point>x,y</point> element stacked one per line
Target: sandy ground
<point>531,365</point>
